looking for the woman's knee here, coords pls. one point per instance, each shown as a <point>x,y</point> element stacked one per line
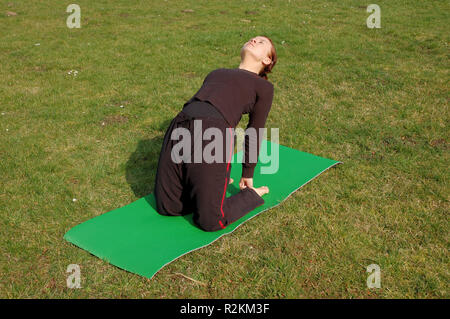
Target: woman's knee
<point>170,213</point>
<point>161,212</point>
<point>209,226</point>
<point>166,210</point>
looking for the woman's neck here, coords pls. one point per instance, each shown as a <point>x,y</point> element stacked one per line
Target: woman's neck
<point>252,68</point>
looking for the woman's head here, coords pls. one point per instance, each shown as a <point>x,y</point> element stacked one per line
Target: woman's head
<point>259,52</point>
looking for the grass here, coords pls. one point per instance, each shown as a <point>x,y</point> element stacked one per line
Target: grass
<point>375,99</point>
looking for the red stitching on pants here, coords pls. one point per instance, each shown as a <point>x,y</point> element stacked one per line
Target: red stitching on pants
<point>226,179</point>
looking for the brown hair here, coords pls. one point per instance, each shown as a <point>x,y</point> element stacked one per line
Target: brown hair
<point>273,57</point>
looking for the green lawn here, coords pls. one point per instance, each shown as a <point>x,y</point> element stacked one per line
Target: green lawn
<point>375,99</point>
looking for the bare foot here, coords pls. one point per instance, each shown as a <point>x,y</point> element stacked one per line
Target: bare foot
<point>261,190</point>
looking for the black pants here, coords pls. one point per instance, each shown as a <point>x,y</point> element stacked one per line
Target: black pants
<point>200,188</point>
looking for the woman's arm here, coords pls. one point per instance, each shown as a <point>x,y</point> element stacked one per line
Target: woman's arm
<point>257,120</point>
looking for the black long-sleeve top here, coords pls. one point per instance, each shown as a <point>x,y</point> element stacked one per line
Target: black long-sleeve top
<point>235,92</point>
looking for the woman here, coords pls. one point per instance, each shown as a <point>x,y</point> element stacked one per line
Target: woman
<point>226,94</point>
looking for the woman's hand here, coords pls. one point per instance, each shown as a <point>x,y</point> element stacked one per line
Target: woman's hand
<point>245,182</point>
<point>248,182</point>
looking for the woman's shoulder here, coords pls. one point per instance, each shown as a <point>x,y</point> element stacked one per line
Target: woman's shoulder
<point>215,72</point>
<point>248,75</point>
<point>252,75</point>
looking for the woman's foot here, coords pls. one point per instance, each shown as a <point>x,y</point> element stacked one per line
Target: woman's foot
<point>261,190</point>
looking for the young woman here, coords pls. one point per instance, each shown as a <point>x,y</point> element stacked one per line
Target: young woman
<point>226,94</point>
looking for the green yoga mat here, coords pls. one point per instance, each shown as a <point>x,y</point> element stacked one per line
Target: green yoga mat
<point>138,239</point>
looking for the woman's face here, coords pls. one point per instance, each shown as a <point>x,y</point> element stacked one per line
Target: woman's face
<point>259,47</point>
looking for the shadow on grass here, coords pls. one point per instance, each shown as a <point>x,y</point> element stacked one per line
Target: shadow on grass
<point>141,167</point>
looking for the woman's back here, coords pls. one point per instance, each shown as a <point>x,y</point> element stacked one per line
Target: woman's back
<point>235,92</point>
